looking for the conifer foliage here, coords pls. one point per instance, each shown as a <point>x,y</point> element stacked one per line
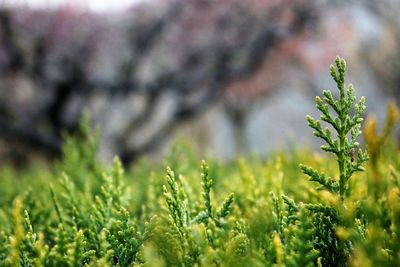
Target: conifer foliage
<point>344,147</point>
<point>247,213</point>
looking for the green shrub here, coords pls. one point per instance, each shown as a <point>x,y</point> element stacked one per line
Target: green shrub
<point>251,212</point>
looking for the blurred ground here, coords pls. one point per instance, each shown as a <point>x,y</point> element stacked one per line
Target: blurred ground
<point>233,77</point>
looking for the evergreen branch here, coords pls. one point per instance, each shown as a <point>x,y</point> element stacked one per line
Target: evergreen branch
<point>174,203</point>
<point>324,135</point>
<point>226,206</point>
<point>207,184</point>
<point>326,182</point>
<point>293,209</point>
<point>342,146</point>
<point>331,101</point>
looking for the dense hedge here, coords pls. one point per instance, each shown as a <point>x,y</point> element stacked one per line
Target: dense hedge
<point>251,212</point>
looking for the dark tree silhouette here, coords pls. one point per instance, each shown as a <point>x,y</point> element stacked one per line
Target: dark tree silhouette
<point>174,58</point>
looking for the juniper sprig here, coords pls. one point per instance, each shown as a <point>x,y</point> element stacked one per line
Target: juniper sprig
<point>346,121</point>
<point>176,201</point>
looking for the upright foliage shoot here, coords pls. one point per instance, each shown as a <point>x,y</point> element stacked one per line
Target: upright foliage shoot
<point>347,126</point>
<point>344,116</point>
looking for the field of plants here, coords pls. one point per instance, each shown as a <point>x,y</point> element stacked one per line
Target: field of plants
<point>337,207</point>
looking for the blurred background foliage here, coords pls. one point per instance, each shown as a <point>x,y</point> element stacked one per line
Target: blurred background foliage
<point>233,77</point>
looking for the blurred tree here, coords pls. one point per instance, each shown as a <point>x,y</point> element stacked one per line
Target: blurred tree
<point>138,73</point>
<point>383,57</point>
